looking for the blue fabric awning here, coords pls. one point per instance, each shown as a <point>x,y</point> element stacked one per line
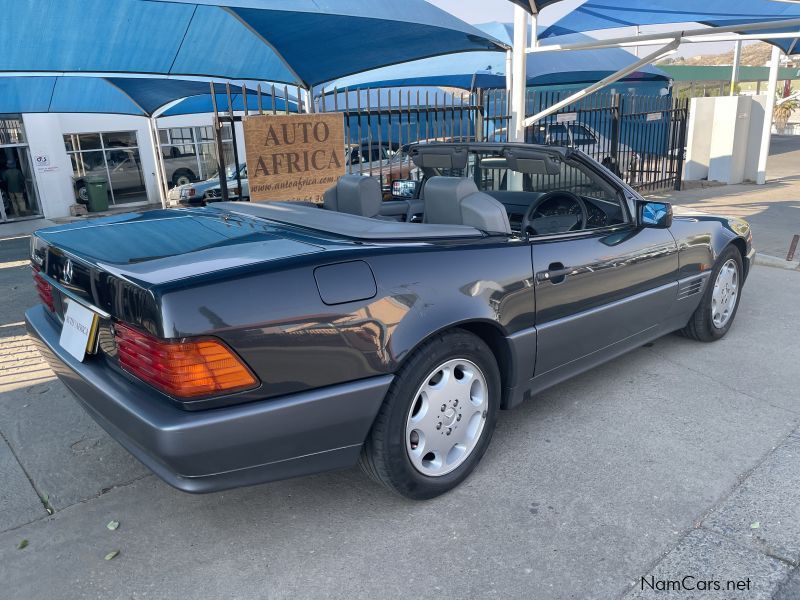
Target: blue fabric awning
<point>594,15</point>
<point>120,95</point>
<point>294,41</point>
<point>485,70</point>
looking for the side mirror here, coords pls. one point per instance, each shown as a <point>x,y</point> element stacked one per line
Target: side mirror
<point>657,215</point>
<point>404,188</point>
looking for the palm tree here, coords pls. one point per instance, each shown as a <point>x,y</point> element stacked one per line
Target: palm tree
<point>783,111</point>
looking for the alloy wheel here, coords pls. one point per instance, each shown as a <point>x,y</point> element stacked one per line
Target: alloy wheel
<point>726,291</point>
<point>447,417</point>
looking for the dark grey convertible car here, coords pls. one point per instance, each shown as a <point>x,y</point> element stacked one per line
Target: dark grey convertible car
<point>242,343</point>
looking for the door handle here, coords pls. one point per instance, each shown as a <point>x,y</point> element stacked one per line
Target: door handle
<point>556,273</point>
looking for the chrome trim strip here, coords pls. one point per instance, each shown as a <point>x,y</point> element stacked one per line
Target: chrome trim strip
<point>73,296</point>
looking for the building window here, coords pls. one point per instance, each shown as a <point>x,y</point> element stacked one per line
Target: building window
<point>112,157</point>
<point>190,153</point>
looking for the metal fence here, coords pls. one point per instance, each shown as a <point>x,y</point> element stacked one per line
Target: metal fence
<point>641,138</point>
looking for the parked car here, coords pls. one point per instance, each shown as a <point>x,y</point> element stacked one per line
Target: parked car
<point>242,343</point>
<point>585,138</point>
<point>181,166</point>
<point>209,191</point>
<point>198,194</point>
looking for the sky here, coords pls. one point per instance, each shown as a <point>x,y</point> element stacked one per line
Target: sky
<point>481,11</point>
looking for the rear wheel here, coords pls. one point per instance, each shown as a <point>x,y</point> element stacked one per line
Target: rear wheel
<point>437,419</point>
<point>717,310</point>
<point>183,177</point>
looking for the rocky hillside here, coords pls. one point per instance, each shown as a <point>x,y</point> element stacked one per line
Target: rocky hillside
<point>753,55</point>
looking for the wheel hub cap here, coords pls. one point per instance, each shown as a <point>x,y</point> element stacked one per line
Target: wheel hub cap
<point>446,418</point>
<point>725,293</point>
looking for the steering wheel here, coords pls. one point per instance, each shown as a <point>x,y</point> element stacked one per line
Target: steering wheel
<point>543,224</point>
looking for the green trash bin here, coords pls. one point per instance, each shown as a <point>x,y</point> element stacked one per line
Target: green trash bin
<point>97,190</point>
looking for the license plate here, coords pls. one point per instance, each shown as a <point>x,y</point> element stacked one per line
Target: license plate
<point>79,331</point>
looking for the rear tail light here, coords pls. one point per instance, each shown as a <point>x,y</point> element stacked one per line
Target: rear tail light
<point>185,369</point>
<point>44,289</point>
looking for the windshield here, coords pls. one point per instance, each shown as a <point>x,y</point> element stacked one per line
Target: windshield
<point>491,173</point>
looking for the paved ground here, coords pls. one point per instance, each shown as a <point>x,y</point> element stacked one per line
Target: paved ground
<point>679,459</point>
<point>773,209</point>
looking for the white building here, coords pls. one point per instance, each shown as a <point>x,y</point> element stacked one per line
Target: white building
<point>56,153</point>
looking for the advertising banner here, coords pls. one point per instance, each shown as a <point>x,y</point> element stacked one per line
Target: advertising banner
<point>293,157</point>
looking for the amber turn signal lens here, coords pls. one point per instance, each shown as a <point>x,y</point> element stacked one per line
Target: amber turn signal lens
<point>184,369</point>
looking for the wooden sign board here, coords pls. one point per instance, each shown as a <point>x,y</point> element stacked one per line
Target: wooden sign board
<point>293,157</point>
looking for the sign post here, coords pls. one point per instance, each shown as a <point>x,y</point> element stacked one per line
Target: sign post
<point>293,157</point>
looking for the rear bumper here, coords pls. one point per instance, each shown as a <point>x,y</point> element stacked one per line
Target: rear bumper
<point>211,450</point>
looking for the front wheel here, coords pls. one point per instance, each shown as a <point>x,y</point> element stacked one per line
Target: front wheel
<point>714,317</point>
<point>437,419</point>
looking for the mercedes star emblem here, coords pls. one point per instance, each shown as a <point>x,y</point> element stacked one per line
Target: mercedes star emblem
<point>67,271</point>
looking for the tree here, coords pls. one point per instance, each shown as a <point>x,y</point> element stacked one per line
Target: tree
<point>784,110</point>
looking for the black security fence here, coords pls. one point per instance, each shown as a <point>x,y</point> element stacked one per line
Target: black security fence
<point>641,138</point>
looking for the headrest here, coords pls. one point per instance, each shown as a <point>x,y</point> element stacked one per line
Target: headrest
<point>457,201</point>
<point>443,196</point>
<point>356,195</point>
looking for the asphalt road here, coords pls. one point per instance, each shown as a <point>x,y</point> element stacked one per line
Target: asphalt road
<point>773,210</point>
<point>656,465</point>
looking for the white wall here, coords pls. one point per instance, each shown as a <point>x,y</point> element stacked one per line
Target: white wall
<point>698,139</point>
<point>729,139</point>
<point>45,133</point>
<point>724,136</point>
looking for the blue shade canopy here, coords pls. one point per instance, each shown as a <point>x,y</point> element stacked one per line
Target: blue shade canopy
<point>594,15</point>
<point>293,41</point>
<point>119,95</point>
<point>485,70</point>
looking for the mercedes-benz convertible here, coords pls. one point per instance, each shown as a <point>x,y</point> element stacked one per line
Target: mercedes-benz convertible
<point>242,343</point>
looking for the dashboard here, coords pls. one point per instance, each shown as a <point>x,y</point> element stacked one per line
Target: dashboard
<point>597,217</point>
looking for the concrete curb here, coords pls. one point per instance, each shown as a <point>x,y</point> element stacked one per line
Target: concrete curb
<point>779,263</point>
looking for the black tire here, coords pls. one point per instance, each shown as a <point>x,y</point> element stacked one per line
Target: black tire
<point>81,193</point>
<point>701,326</point>
<point>183,177</point>
<point>384,457</point>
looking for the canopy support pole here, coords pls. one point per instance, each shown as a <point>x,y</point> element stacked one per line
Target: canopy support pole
<point>766,132</point>
<point>614,77</point>
<point>161,175</point>
<point>737,61</point>
<point>519,76</point>
<point>309,100</point>
<point>509,77</point>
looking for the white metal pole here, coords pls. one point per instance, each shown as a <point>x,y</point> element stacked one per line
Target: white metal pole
<point>614,77</point>
<point>766,133</point>
<point>737,60</point>
<point>161,177</point>
<point>309,100</point>
<point>509,75</point>
<point>519,75</point>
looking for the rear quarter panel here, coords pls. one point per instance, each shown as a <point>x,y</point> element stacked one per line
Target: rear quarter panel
<point>276,320</point>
